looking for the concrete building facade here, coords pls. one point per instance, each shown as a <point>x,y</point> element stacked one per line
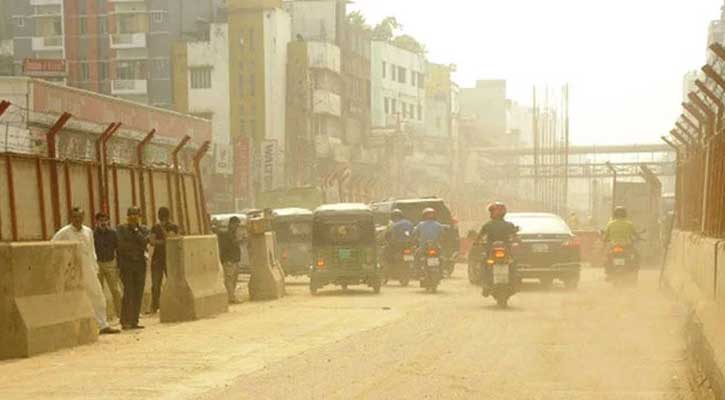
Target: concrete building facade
<point>116,47</point>
<point>398,85</point>
<point>486,106</point>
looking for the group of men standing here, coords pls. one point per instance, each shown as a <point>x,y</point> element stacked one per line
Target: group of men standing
<point>110,255</point>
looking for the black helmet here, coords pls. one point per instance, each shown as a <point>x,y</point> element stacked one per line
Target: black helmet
<point>397,214</point>
<point>620,212</point>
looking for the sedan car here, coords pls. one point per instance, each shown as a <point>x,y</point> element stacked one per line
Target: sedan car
<point>547,249</point>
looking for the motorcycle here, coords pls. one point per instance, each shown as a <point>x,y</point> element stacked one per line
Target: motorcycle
<point>401,265</point>
<point>499,268</point>
<point>622,265</point>
<point>430,267</point>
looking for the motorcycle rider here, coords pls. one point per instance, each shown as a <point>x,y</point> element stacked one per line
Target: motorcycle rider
<point>429,229</point>
<point>399,232</point>
<point>495,230</point>
<point>621,231</point>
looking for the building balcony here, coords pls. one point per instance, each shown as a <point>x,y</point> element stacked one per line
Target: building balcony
<point>327,103</point>
<point>46,2</point>
<point>129,87</point>
<point>128,40</point>
<point>47,43</point>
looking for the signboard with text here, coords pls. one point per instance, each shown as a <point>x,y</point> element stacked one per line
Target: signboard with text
<point>42,67</point>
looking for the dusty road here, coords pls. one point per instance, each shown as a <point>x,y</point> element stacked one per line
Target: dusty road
<point>594,343</point>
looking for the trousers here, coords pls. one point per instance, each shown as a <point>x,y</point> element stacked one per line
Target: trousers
<point>157,277</point>
<point>231,275</point>
<point>133,275</point>
<point>108,275</point>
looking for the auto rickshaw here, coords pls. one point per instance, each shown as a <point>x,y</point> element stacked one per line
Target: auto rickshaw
<point>343,247</point>
<point>293,227</point>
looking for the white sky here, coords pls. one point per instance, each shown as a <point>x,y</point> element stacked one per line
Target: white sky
<point>624,59</point>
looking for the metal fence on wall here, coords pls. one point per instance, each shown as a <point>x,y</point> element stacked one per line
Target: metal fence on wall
<point>699,138</point>
<point>37,192</point>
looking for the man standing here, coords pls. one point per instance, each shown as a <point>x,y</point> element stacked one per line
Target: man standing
<point>159,233</point>
<point>106,245</point>
<point>78,232</point>
<point>132,244</point>
<point>230,255</point>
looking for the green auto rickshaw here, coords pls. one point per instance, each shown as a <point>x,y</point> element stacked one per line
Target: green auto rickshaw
<point>343,247</point>
<point>293,228</point>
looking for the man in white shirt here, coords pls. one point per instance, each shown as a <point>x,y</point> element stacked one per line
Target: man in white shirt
<point>78,232</point>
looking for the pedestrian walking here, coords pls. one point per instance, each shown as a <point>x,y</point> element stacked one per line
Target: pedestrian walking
<point>77,232</point>
<point>159,233</point>
<point>132,246</point>
<point>106,245</point>
<point>230,254</point>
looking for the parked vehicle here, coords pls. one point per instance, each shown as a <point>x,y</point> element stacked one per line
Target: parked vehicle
<point>547,249</point>
<point>293,228</point>
<point>622,266</point>
<point>344,248</point>
<point>430,267</point>
<point>501,271</point>
<point>450,243</point>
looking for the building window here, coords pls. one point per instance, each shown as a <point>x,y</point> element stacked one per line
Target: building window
<point>385,69</point>
<point>85,73</point>
<point>394,106</point>
<point>421,80</point>
<point>19,22</point>
<point>158,17</point>
<point>413,75</point>
<point>402,75</point>
<point>387,106</point>
<point>420,112</point>
<point>201,77</point>
<point>82,25</point>
<point>160,69</point>
<point>102,25</point>
<point>393,70</point>
<point>102,71</point>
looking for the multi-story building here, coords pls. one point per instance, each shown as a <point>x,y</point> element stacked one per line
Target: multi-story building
<point>485,107</point>
<point>398,85</point>
<point>688,83</point>
<point>314,109</point>
<point>259,69</point>
<point>116,47</point>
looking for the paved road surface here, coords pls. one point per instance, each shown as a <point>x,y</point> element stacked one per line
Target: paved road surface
<point>594,343</point>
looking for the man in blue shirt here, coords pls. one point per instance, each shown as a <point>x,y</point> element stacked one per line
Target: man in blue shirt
<point>401,229</point>
<point>429,229</point>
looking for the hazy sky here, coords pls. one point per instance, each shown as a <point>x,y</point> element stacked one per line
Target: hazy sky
<point>624,59</point>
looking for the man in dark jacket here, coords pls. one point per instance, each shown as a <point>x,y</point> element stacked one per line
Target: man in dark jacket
<point>159,233</point>
<point>106,244</point>
<point>230,255</point>
<point>132,245</point>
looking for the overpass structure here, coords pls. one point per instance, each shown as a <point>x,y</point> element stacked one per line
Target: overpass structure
<point>494,152</point>
<point>578,171</point>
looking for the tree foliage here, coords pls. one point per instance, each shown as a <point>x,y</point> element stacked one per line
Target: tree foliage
<point>409,43</point>
<point>386,29</point>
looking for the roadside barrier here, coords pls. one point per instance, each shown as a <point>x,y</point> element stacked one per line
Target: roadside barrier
<point>43,306</point>
<point>195,284</point>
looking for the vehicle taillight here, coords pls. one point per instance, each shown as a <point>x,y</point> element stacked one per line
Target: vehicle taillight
<point>618,250</point>
<point>407,252</point>
<point>320,264</point>
<point>499,254</point>
<point>432,253</point>
<point>572,243</point>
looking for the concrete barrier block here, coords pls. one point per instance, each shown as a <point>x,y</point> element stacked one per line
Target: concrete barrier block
<point>43,306</point>
<point>195,284</point>
<point>267,279</point>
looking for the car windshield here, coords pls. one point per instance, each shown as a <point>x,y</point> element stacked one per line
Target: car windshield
<point>539,224</point>
<point>413,210</point>
<point>293,231</point>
